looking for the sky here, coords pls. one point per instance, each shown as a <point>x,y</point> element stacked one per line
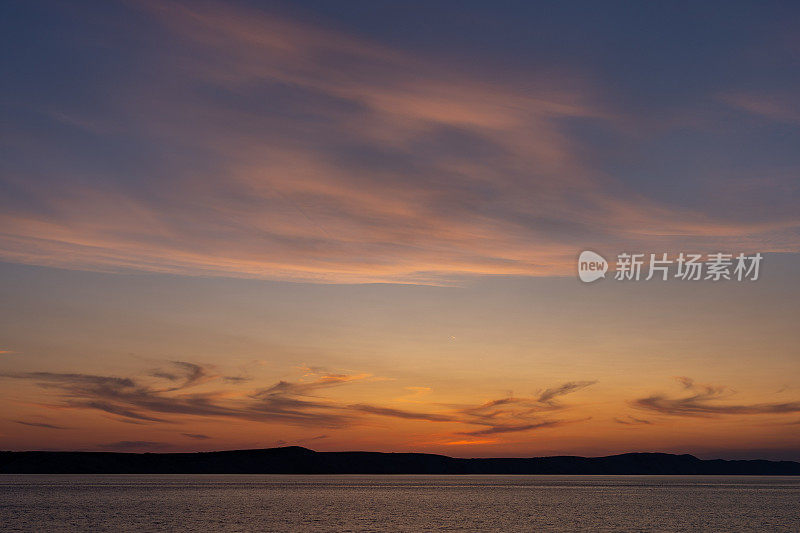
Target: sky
<point>356,226</point>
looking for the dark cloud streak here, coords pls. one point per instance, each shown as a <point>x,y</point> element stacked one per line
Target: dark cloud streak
<point>197,436</point>
<point>287,402</point>
<point>40,425</point>
<point>703,402</point>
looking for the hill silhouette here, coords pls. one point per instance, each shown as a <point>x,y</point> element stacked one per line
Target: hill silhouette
<point>298,460</point>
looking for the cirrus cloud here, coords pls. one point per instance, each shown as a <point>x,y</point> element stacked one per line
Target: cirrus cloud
<point>276,149</point>
<point>705,401</point>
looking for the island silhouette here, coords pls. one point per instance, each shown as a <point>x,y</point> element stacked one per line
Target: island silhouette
<point>299,460</point>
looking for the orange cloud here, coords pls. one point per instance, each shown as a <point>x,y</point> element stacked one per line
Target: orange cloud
<point>320,156</point>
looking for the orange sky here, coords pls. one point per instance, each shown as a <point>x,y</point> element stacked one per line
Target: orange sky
<point>502,367</point>
<point>229,226</point>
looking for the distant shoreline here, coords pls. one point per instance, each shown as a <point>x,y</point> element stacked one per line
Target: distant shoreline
<point>298,460</point>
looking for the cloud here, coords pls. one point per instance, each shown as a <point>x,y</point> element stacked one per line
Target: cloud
<point>130,445</point>
<point>399,413</point>
<point>311,439</point>
<point>304,440</point>
<point>40,425</point>
<point>113,409</point>
<point>276,149</point>
<point>632,421</point>
<point>499,416</point>
<point>566,388</point>
<point>703,401</point>
<point>297,403</point>
<point>236,379</point>
<point>70,379</point>
<point>188,374</point>
<point>283,388</point>
<point>515,414</point>
<point>503,415</point>
<point>462,442</point>
<point>198,436</point>
<point>134,400</point>
<point>494,430</point>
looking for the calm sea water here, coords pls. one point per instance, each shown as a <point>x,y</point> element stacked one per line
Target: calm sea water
<point>398,503</point>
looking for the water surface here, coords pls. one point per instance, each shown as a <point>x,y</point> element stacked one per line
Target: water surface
<point>397,503</point>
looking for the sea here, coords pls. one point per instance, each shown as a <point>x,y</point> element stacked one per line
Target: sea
<point>397,503</point>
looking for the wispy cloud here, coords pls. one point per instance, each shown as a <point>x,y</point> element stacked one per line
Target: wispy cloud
<point>707,401</point>
<point>304,440</point>
<point>130,398</point>
<point>40,424</point>
<point>400,413</point>
<point>494,430</point>
<point>135,445</point>
<point>188,374</point>
<point>550,394</point>
<point>515,414</point>
<point>196,436</point>
<point>632,421</point>
<point>298,403</point>
<point>294,151</point>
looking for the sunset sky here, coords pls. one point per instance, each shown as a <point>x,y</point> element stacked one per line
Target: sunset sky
<point>355,225</point>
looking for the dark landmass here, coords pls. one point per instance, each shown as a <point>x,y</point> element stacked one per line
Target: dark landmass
<point>297,460</point>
